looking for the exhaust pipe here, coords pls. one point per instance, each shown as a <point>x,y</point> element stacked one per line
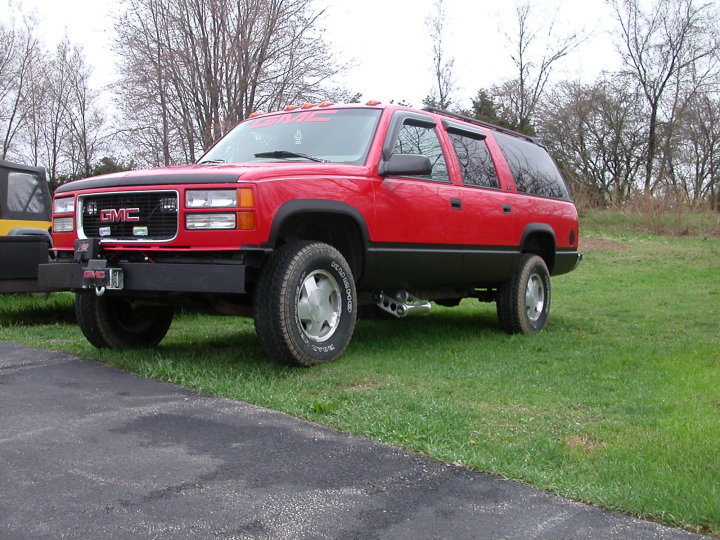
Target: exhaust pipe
<point>402,304</point>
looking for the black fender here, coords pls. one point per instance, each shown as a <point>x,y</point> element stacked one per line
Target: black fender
<point>24,231</point>
<point>545,230</point>
<point>320,206</point>
<point>357,256</point>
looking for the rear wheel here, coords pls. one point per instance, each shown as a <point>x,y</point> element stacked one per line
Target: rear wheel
<point>305,304</point>
<point>523,302</point>
<point>115,322</point>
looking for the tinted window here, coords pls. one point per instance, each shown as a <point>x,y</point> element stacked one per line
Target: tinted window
<point>424,141</point>
<point>476,165</point>
<point>532,168</point>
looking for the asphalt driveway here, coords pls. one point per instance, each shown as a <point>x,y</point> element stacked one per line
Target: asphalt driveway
<point>90,451</point>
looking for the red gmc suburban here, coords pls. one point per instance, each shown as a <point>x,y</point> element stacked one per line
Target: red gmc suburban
<point>299,217</point>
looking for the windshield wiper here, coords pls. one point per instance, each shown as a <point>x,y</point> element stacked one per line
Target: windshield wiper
<point>212,161</point>
<point>282,154</point>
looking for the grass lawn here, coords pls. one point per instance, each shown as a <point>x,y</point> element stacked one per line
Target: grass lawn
<point>616,403</point>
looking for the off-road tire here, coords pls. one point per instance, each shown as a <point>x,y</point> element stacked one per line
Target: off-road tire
<point>114,322</point>
<point>305,304</point>
<point>523,302</point>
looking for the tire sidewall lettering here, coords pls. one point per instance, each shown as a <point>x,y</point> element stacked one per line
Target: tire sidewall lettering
<point>330,265</point>
<point>346,286</point>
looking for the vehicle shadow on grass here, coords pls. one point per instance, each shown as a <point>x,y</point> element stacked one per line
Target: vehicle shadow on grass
<point>446,324</point>
<point>238,350</point>
<point>18,310</point>
<point>456,330</point>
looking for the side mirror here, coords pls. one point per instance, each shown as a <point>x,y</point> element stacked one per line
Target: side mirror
<point>406,165</point>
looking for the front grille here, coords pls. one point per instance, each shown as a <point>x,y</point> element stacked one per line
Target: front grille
<point>137,216</point>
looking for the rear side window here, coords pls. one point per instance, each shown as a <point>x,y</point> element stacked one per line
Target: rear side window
<point>533,170</point>
<point>476,165</point>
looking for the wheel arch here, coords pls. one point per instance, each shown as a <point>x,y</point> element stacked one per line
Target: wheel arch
<point>539,239</point>
<point>333,222</point>
<point>34,231</point>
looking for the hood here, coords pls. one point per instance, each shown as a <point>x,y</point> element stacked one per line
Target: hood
<point>212,174</point>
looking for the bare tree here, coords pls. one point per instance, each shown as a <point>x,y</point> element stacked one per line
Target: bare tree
<point>596,133</point>
<point>55,126</point>
<point>191,69</point>
<point>670,50</point>
<point>537,47</point>
<point>695,164</point>
<point>64,128</point>
<point>19,51</point>
<point>84,119</point>
<point>440,96</point>
<point>35,126</point>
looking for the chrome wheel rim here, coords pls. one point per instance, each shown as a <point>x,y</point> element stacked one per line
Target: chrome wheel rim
<point>318,306</point>
<point>534,297</point>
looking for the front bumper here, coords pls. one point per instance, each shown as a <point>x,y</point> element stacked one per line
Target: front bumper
<point>144,276</point>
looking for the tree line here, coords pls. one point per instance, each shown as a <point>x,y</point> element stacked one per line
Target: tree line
<point>650,129</point>
<point>49,114</point>
<point>190,69</point>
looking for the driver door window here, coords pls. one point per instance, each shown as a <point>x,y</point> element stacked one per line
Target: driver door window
<point>424,141</point>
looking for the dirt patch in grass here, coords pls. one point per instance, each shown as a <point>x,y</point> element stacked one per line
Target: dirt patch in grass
<point>583,443</point>
<point>364,386</point>
<point>589,243</point>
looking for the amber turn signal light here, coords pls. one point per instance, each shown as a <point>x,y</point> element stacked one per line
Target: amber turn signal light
<point>246,221</point>
<point>246,199</point>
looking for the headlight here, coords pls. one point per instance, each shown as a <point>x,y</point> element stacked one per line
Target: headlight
<point>64,224</point>
<point>66,205</point>
<point>211,198</point>
<point>209,221</point>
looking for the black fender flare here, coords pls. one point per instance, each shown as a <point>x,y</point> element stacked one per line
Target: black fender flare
<point>321,206</point>
<point>544,229</point>
<point>34,231</point>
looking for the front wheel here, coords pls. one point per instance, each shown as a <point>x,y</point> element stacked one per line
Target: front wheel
<point>305,304</point>
<point>116,322</point>
<point>523,302</point>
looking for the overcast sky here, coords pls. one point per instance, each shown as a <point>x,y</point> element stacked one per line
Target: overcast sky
<point>386,41</point>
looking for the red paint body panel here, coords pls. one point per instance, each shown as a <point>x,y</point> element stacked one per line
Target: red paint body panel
<point>394,210</point>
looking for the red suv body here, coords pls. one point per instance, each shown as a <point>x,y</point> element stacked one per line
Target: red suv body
<point>297,218</point>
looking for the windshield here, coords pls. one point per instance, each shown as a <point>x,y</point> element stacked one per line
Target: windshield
<point>332,135</point>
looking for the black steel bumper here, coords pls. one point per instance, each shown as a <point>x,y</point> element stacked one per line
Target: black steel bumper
<point>142,276</point>
<point>566,261</point>
<point>19,259</point>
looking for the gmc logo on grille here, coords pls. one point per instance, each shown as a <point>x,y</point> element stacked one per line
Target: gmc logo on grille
<point>110,215</point>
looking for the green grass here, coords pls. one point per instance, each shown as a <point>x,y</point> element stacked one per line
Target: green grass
<point>616,403</point>
<point>681,222</point>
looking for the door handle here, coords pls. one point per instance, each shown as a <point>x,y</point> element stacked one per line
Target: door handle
<point>507,209</point>
<point>455,203</point>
